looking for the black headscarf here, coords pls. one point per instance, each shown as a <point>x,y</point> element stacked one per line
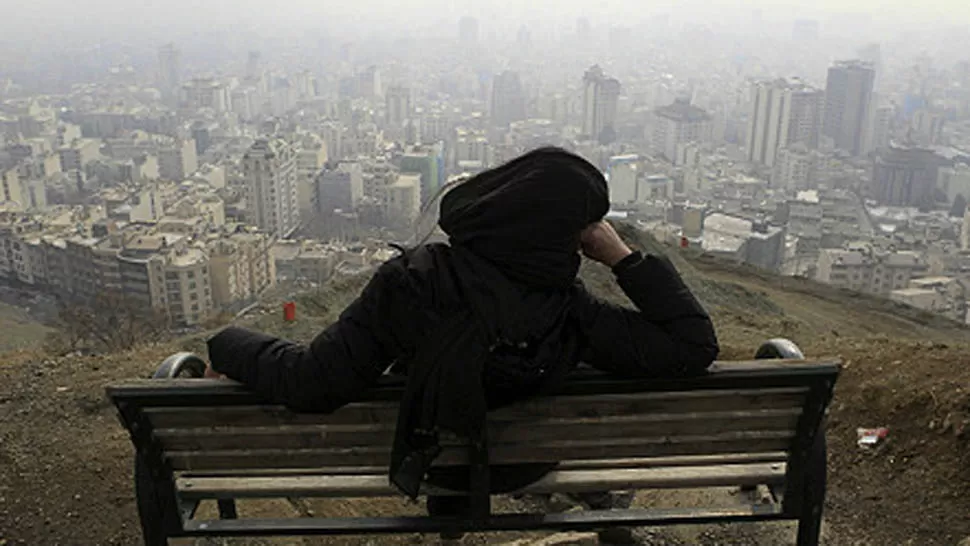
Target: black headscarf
<point>526,215</point>
<point>513,226</point>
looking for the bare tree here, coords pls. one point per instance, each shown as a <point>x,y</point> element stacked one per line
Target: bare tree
<point>111,322</point>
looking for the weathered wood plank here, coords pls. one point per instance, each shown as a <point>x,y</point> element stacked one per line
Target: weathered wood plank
<point>573,481</point>
<point>728,374</point>
<point>325,436</point>
<point>583,520</point>
<point>730,442</point>
<point>550,407</point>
<point>777,457</point>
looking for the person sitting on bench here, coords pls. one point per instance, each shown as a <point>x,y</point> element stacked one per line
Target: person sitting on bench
<point>494,316</point>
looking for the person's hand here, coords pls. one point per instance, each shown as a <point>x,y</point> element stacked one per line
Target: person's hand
<point>212,374</point>
<point>600,242</point>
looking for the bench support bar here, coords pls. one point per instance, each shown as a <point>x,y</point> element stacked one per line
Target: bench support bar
<point>575,521</point>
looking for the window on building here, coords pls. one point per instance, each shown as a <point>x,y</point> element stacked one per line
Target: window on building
<point>192,285</point>
<point>171,275</point>
<point>193,296</point>
<point>191,274</point>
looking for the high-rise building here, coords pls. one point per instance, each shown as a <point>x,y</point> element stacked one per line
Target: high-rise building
<point>623,173</point>
<point>879,126</point>
<point>508,99</point>
<point>848,96</point>
<point>795,168</point>
<point>170,70</point>
<point>965,231</point>
<point>177,160</point>
<point>311,155</point>
<point>206,93</point>
<point>271,186</point>
<point>397,106</point>
<point>400,201</point>
<point>954,181</point>
<point>468,30</point>
<point>906,176</point>
<point>679,124</point>
<point>872,54</point>
<point>369,83</point>
<point>926,127</point>
<point>428,161</point>
<point>254,65</point>
<point>783,113</point>
<point>600,98</point>
<point>339,189</point>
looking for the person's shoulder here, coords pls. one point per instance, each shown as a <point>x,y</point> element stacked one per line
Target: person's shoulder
<point>417,270</point>
<point>421,260</point>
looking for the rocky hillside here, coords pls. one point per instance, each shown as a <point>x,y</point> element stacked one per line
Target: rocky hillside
<point>65,463</point>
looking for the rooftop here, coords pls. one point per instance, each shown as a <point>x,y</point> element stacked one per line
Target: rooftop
<point>187,257</point>
<point>682,110</point>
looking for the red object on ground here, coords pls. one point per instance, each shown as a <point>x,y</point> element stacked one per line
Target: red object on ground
<point>684,242</point>
<point>289,311</point>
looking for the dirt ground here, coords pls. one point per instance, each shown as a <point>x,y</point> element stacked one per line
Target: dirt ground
<point>65,462</point>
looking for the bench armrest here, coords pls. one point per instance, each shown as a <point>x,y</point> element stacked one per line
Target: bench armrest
<point>779,348</point>
<point>181,365</point>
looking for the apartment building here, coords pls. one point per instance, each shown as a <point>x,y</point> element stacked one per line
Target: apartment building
<point>76,155</point>
<point>188,287</point>
<point>241,267</point>
<point>271,183</point>
<point>946,296</point>
<point>679,124</point>
<point>401,200</point>
<point>868,269</point>
<point>141,263</point>
<point>177,160</point>
<point>185,276</point>
<point>311,156</point>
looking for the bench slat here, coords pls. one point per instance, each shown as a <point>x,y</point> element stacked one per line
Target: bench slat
<point>590,406</point>
<point>574,481</point>
<point>730,442</point>
<point>590,464</point>
<point>324,436</point>
<point>583,520</point>
<point>730,374</point>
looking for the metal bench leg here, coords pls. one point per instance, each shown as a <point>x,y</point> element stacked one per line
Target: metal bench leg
<point>227,508</point>
<point>778,347</point>
<point>149,506</point>
<point>810,522</point>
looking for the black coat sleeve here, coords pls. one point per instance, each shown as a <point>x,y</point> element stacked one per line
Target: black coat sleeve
<point>339,363</point>
<point>668,335</point>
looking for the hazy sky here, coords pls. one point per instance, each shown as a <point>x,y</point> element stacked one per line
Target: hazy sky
<point>27,17</point>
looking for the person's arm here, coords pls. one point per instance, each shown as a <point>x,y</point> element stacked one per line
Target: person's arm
<point>339,363</point>
<point>668,335</point>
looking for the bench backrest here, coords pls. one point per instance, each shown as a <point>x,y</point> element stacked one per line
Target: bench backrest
<point>758,407</point>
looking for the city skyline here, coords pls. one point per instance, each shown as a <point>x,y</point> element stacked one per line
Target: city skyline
<point>768,138</point>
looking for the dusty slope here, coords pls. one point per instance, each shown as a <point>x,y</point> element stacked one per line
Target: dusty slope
<point>65,463</point>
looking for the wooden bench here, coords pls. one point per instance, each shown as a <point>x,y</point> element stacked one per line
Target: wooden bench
<point>747,424</point>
